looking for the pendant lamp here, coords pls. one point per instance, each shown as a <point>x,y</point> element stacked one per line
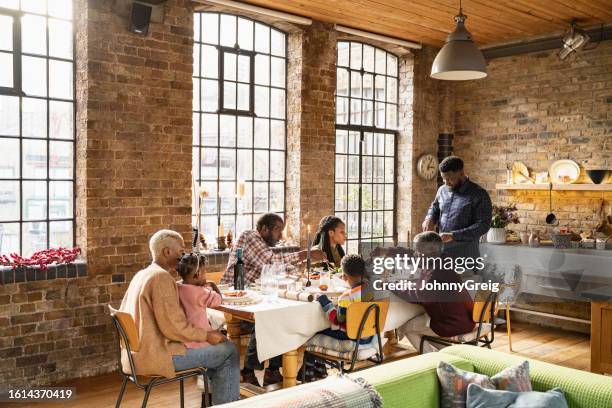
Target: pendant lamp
<point>459,59</point>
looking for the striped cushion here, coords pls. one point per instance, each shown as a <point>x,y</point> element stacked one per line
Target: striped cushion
<point>343,349</point>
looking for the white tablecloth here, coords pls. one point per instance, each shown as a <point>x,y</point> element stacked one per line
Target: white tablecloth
<point>282,325</point>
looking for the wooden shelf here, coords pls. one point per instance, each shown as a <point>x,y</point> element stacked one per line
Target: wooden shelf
<point>556,187</point>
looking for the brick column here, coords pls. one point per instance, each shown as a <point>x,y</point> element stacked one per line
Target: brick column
<point>311,136</point>
<point>425,110</point>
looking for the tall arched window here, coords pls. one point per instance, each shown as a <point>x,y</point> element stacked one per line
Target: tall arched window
<point>366,123</point>
<point>239,124</point>
<point>37,134</point>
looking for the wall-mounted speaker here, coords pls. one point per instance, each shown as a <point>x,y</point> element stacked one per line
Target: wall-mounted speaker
<point>140,18</point>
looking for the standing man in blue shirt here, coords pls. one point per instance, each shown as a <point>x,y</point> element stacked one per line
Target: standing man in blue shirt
<point>462,211</point>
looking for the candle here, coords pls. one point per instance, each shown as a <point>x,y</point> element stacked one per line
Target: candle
<point>221,230</point>
<point>308,248</point>
<point>241,188</point>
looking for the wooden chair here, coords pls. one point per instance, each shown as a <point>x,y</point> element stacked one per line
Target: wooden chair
<point>128,340</point>
<point>363,320</point>
<point>483,315</point>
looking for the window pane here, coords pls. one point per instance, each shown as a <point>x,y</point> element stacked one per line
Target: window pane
<point>34,34</point>
<point>368,58</point>
<point>245,131</point>
<point>9,236</point>
<point>356,84</point>
<point>34,200</point>
<point>277,133</point>
<point>9,200</point>
<point>9,166</point>
<point>262,164</point>
<point>356,55</point>
<point>277,197</point>
<point>245,164</point>
<point>6,69</point>
<point>60,8</point>
<point>60,199</point>
<point>341,175</point>
<point>229,66</point>
<point>341,141</point>
<point>340,197</point>
<point>227,137</point>
<point>208,164</point>
<point>343,54</point>
<point>392,90</point>
<point>34,159</point>
<point>61,160</point>
<point>353,168</point>
<point>278,43</point>
<point>210,95</point>
<point>210,62</point>
<point>389,170</point>
<point>277,166</point>
<point>197,30</point>
<point>262,69</point>
<point>34,76</point>
<point>245,34</point>
<point>60,234</point>
<point>227,164</point>
<point>210,127</point>
<point>366,169</point>
<point>391,122</point>
<point>278,72</point>
<point>389,145</point>
<point>278,103</point>
<point>391,65</point>
<point>60,38</point>
<point>262,38</point>
<point>245,204</point>
<point>262,133</point>
<point>244,69</point>
<point>61,120</point>
<point>195,130</point>
<point>367,113</point>
<point>6,33</point>
<point>355,112</point>
<point>262,101</point>
<point>229,95</point>
<point>353,142</point>
<point>379,88</point>
<point>366,224</point>
<point>342,110</point>
<point>260,203</point>
<point>196,94</point>
<point>228,30</point>
<point>60,79</point>
<point>381,61</point>
<point>210,28</point>
<point>228,197</point>
<point>10,4</point>
<point>342,82</point>
<point>388,220</point>
<point>34,117</point>
<point>380,114</point>
<point>389,203</point>
<point>378,197</point>
<point>34,237</point>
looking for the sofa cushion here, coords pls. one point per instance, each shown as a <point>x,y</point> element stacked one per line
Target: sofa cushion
<point>582,389</point>
<point>514,378</point>
<point>478,397</point>
<point>454,383</point>
<point>323,344</point>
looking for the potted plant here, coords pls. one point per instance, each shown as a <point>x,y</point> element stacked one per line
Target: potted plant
<point>502,216</point>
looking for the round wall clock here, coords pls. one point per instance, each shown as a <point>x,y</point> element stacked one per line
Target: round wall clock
<point>427,166</point>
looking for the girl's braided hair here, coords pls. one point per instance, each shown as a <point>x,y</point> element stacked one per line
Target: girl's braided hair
<point>189,264</point>
<point>329,222</point>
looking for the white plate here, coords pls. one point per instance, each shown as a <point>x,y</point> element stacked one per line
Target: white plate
<point>564,168</point>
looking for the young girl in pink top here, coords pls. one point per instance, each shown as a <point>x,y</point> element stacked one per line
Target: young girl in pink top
<point>195,293</point>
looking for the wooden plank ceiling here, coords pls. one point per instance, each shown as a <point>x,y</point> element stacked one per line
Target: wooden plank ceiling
<point>430,21</point>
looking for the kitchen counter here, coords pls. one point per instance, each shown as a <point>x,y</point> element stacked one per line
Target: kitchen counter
<point>549,271</point>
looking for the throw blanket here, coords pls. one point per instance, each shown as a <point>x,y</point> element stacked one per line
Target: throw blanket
<point>332,392</point>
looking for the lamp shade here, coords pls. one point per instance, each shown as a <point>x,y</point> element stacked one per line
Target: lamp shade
<point>459,59</point>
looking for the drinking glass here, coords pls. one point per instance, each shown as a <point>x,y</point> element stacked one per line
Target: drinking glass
<point>269,285</point>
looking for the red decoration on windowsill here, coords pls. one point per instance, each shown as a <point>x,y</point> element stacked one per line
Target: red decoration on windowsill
<point>42,259</point>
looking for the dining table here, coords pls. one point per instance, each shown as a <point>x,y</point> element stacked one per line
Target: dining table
<point>283,326</point>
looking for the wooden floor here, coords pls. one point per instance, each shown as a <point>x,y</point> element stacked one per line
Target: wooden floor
<point>555,346</point>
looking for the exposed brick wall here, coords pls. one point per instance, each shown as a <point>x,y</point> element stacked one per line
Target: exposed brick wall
<point>134,177</point>
<point>537,109</point>
<point>425,110</point>
<point>311,135</point>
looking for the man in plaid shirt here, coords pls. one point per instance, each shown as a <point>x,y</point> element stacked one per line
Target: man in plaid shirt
<point>257,252</point>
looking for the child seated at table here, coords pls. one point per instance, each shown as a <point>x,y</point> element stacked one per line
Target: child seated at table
<point>335,338</point>
<point>195,293</point>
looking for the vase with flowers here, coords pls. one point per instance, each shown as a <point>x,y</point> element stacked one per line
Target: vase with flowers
<point>502,216</point>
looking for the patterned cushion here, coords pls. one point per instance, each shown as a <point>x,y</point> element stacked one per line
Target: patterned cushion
<point>454,383</point>
<point>471,336</point>
<point>320,343</point>
<point>514,378</point>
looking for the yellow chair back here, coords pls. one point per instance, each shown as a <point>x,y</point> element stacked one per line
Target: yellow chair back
<point>126,322</point>
<point>355,314</point>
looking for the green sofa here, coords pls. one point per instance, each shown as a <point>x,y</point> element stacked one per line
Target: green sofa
<point>413,383</point>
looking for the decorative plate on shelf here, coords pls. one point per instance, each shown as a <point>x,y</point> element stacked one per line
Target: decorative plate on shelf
<point>564,172</point>
<point>520,173</point>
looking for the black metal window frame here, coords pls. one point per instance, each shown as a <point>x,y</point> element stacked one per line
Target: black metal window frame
<point>17,91</point>
<point>240,113</point>
<point>363,130</point>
